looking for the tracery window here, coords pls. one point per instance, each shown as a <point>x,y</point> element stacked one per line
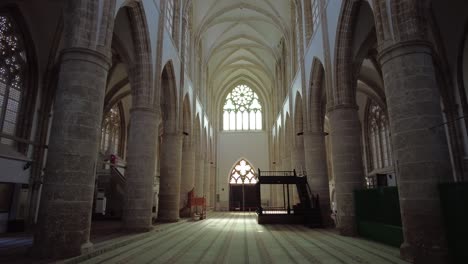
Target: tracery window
<point>243,173</point>
<point>111,131</point>
<point>170,15</point>
<point>242,110</point>
<point>315,15</point>
<point>188,42</point>
<point>13,65</point>
<point>379,138</point>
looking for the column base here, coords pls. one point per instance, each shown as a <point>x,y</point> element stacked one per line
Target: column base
<point>142,229</point>
<point>87,247</point>
<point>168,220</point>
<point>422,255</point>
<point>347,226</point>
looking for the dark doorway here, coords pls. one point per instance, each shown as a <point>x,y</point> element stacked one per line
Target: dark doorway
<point>242,197</point>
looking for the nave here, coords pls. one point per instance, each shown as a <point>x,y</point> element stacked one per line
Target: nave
<point>233,237</point>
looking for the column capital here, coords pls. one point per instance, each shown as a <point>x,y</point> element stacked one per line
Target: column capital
<point>399,49</point>
<point>315,133</point>
<point>149,110</point>
<point>349,106</point>
<point>88,55</point>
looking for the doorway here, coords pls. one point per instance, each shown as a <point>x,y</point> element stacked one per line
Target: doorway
<point>242,191</point>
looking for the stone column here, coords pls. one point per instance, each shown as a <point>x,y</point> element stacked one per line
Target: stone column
<point>345,133</point>
<point>286,161</point>
<point>199,170</point>
<point>419,147</point>
<point>317,173</point>
<point>67,195</point>
<point>213,185</point>
<point>141,159</point>
<point>297,163</point>
<point>297,157</point>
<point>171,163</point>
<point>206,183</point>
<point>187,182</point>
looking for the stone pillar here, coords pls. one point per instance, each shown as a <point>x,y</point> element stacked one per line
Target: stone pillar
<point>317,172</point>
<point>141,159</point>
<point>206,183</point>
<point>171,163</point>
<point>286,161</point>
<point>213,185</point>
<point>187,182</point>
<point>297,163</point>
<point>297,157</point>
<point>345,133</point>
<point>67,195</point>
<point>199,170</point>
<point>419,147</point>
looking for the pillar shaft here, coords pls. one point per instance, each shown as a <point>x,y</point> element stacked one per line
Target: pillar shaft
<point>420,150</point>
<point>199,179</point>
<point>286,161</point>
<point>187,182</point>
<point>206,183</point>
<point>213,185</point>
<point>171,163</point>
<point>141,158</point>
<point>67,195</point>
<point>317,171</point>
<point>345,132</point>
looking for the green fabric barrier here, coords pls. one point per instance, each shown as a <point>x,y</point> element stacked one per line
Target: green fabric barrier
<point>454,202</point>
<point>378,215</point>
<point>387,234</point>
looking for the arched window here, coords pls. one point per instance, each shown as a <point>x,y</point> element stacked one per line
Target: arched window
<point>242,110</point>
<point>111,131</point>
<point>170,15</point>
<point>188,42</point>
<point>13,65</point>
<point>243,173</point>
<point>378,138</point>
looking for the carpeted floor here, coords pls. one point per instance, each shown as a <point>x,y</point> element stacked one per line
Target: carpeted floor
<point>227,237</point>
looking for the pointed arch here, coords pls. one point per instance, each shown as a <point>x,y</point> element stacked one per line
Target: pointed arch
<point>18,88</point>
<point>317,95</point>
<point>186,120</point>
<point>298,114</point>
<point>287,134</point>
<point>140,73</point>
<point>168,99</point>
<point>344,90</point>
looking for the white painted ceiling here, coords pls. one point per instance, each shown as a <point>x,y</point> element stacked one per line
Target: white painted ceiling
<point>239,41</point>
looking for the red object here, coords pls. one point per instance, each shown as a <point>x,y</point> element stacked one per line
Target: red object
<point>195,202</point>
<point>112,158</point>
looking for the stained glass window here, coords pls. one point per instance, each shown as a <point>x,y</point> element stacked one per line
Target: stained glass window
<point>242,110</point>
<point>12,74</point>
<point>170,15</point>
<point>243,173</point>
<point>111,131</point>
<point>379,138</point>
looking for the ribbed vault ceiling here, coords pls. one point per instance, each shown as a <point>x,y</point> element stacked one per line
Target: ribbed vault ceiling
<point>239,41</point>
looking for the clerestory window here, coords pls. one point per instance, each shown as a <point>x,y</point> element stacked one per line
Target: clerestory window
<point>170,15</point>
<point>111,131</point>
<point>379,138</point>
<point>242,110</point>
<point>13,65</point>
<point>243,173</point>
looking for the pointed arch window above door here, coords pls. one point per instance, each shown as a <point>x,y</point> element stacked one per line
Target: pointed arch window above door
<point>243,173</point>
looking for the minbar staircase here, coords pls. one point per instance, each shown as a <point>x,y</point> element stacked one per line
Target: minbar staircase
<point>306,212</point>
<point>110,183</point>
